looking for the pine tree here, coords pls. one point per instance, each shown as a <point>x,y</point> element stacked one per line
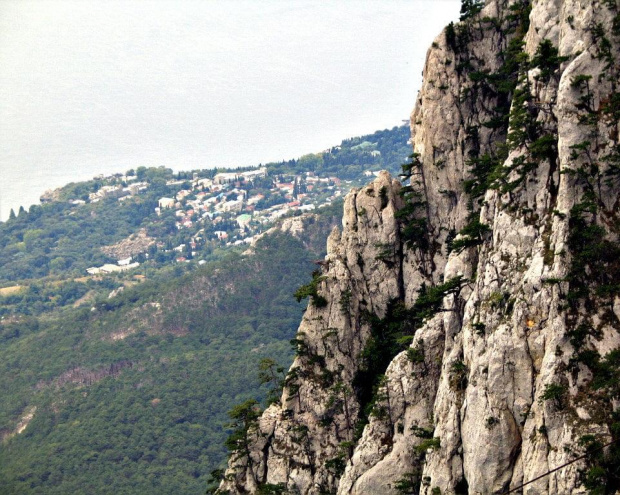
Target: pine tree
<point>413,214</point>
<point>295,188</point>
<point>244,425</point>
<point>469,8</point>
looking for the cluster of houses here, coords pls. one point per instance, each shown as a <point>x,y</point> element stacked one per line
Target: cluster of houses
<point>210,197</point>
<point>132,188</point>
<point>228,197</point>
<point>229,208</point>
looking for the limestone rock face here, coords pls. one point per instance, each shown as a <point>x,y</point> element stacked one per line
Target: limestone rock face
<point>516,130</point>
<point>300,442</point>
<point>131,246</point>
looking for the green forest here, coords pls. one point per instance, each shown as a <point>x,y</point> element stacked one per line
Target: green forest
<point>145,412</point>
<point>121,382</point>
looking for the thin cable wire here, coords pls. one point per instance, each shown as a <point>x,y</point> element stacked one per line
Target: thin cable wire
<point>559,467</point>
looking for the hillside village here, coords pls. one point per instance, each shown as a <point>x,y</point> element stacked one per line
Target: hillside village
<point>236,196</point>
<point>146,272</point>
<point>147,219</point>
<point>230,208</point>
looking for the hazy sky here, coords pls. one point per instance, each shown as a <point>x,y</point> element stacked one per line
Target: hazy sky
<point>103,86</point>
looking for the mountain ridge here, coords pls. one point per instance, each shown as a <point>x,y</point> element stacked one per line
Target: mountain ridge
<point>119,381</point>
<point>479,346</point>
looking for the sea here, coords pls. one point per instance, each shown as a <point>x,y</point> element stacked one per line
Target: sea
<point>97,87</point>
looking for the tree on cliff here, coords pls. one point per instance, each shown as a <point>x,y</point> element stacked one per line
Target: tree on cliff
<point>470,8</point>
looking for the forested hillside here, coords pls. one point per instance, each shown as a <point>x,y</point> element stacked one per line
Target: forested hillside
<point>120,381</point>
<point>131,396</point>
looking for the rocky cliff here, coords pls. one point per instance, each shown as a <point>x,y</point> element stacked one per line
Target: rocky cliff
<point>462,334</point>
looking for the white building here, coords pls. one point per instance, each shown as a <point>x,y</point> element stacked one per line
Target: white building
<point>234,206</point>
<point>253,174</point>
<point>204,183</point>
<point>166,202</point>
<point>225,177</point>
<point>109,268</point>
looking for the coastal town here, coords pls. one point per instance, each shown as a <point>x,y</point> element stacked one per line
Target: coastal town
<point>227,209</point>
<point>151,218</point>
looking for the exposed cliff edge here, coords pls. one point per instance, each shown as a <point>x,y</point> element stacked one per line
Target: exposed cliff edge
<point>499,257</point>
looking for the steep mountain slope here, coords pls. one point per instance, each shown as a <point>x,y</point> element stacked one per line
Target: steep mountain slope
<point>500,257</point>
<point>130,396</point>
<point>119,382</point>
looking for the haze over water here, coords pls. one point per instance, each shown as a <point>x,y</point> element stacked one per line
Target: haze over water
<point>100,87</point>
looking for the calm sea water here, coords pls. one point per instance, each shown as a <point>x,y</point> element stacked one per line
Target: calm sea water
<point>89,87</point>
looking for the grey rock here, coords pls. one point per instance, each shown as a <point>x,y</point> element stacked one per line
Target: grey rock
<point>471,410</point>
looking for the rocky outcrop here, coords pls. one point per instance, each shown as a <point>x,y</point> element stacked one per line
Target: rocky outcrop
<point>303,442</point>
<point>133,245</point>
<point>515,182</point>
<point>50,195</point>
